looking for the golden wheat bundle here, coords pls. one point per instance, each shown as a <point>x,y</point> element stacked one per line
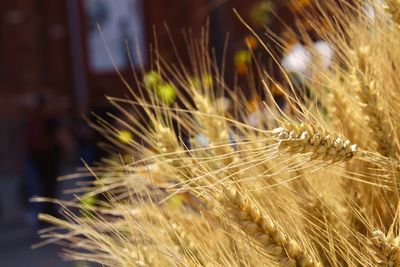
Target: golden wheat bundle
<point>211,181</point>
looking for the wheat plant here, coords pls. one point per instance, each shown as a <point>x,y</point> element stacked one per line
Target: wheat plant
<point>196,182</point>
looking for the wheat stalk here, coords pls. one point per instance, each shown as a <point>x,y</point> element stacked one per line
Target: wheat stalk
<point>272,194</point>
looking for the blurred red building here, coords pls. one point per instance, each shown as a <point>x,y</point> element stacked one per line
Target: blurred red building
<point>44,44</point>
<point>54,48</point>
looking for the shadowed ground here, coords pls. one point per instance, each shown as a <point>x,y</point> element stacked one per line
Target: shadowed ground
<point>17,235</point>
<point>16,239</point>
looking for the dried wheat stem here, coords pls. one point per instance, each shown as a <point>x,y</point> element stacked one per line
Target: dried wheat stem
<point>322,144</point>
<point>267,232</point>
<point>386,248</point>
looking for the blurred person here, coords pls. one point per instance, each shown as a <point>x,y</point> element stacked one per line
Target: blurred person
<point>43,152</point>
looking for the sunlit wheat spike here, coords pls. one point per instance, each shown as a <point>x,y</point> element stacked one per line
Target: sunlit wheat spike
<point>372,106</point>
<point>320,143</point>
<point>393,8</point>
<point>266,231</point>
<point>309,181</point>
<point>387,249</point>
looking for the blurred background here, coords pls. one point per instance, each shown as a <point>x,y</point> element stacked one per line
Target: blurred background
<point>55,69</point>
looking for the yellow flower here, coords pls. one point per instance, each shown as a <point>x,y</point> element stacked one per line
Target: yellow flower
<point>125,136</point>
<point>88,200</point>
<point>152,79</point>
<point>166,93</point>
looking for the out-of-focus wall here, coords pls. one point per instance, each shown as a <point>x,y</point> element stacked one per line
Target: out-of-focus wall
<point>45,51</point>
<point>34,51</point>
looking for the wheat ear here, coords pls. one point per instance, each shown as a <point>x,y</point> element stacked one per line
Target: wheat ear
<point>267,232</point>
<point>216,129</point>
<point>392,7</point>
<point>368,95</point>
<point>322,144</point>
<point>386,248</point>
<point>166,139</point>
